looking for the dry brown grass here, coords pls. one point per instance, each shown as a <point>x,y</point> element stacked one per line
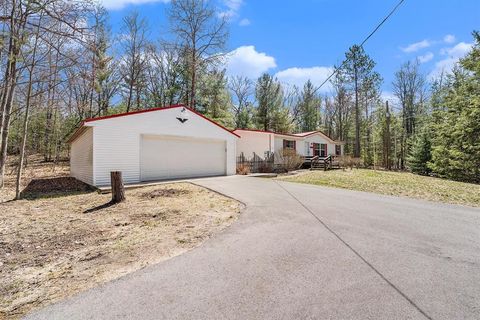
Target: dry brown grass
<point>50,248</point>
<point>396,184</point>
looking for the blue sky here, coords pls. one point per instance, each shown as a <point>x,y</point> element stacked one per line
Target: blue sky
<point>298,40</point>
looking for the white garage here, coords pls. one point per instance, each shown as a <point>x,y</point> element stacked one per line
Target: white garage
<point>155,144</point>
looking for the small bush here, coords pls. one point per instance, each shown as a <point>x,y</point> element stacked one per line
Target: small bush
<point>265,167</point>
<point>289,159</point>
<point>243,169</point>
<point>349,162</point>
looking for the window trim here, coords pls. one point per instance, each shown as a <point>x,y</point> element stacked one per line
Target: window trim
<point>285,142</point>
<point>338,150</point>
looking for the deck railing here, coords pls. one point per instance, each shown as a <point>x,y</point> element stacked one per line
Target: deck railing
<point>256,163</point>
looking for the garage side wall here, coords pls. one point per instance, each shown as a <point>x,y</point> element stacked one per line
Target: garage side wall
<point>81,157</point>
<point>254,142</point>
<point>117,141</point>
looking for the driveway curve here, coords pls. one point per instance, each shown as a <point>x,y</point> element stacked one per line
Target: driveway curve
<point>307,252</point>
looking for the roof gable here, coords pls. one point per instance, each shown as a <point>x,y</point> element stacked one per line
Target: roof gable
<point>293,135</point>
<point>90,120</point>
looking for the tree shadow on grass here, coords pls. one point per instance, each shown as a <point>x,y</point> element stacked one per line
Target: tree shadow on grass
<point>100,207</point>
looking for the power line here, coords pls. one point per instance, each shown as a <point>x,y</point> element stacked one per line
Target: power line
<point>362,44</point>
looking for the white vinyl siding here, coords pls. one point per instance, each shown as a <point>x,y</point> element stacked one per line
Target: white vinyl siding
<point>253,142</point>
<point>81,157</point>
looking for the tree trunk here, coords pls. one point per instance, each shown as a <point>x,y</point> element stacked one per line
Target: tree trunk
<point>25,120</point>
<point>118,190</point>
<point>194,75</point>
<point>5,132</point>
<point>22,148</point>
<point>387,140</point>
<point>356,150</point>
<point>129,99</point>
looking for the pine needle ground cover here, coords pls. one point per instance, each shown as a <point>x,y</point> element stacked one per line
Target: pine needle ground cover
<point>396,184</point>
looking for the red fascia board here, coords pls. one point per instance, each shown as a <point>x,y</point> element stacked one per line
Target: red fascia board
<point>296,135</point>
<point>313,133</point>
<point>134,112</point>
<point>255,130</point>
<point>271,132</point>
<point>159,109</point>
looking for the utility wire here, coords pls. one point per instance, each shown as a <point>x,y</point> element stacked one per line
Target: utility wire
<point>362,44</point>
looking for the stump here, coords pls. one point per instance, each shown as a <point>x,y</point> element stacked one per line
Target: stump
<point>118,191</point>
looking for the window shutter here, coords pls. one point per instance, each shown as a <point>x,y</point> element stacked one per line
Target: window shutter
<point>284,144</point>
<point>294,145</point>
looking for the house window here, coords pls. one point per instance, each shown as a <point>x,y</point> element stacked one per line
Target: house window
<point>338,150</point>
<point>320,149</point>
<point>323,150</point>
<point>289,144</point>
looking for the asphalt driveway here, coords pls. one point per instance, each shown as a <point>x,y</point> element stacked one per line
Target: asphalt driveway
<point>307,252</point>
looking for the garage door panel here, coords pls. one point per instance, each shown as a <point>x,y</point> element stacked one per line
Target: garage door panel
<point>170,158</point>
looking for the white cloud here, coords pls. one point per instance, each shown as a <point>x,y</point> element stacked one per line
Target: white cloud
<point>449,38</point>
<point>426,57</point>
<point>232,8</point>
<point>244,22</point>
<point>391,98</point>
<point>458,51</point>
<point>452,54</point>
<point>246,61</point>
<point>414,47</point>
<point>120,4</point>
<point>298,76</point>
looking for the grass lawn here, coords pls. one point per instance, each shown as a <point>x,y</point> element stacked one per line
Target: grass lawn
<point>396,184</point>
<point>54,247</point>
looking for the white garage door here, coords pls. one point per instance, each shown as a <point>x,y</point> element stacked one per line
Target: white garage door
<point>171,157</point>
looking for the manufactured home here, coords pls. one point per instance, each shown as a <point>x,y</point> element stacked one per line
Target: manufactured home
<point>306,144</point>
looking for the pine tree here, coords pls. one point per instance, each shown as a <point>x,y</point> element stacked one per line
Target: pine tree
<point>421,154</point>
<point>456,144</point>
<point>271,114</point>
<point>213,98</point>
<point>358,71</point>
<point>309,109</point>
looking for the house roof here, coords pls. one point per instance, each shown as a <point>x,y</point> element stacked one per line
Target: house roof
<point>295,135</point>
<point>79,131</point>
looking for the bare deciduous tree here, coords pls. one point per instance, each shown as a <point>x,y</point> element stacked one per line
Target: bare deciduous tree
<point>242,89</point>
<point>134,62</point>
<point>201,34</point>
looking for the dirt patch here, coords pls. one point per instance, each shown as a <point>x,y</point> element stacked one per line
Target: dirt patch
<point>54,186</point>
<point>170,192</point>
<point>51,249</point>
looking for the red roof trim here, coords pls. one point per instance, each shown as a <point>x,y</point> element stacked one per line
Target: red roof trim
<point>272,132</point>
<point>135,112</point>
<point>255,130</point>
<point>296,135</point>
<point>151,110</point>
